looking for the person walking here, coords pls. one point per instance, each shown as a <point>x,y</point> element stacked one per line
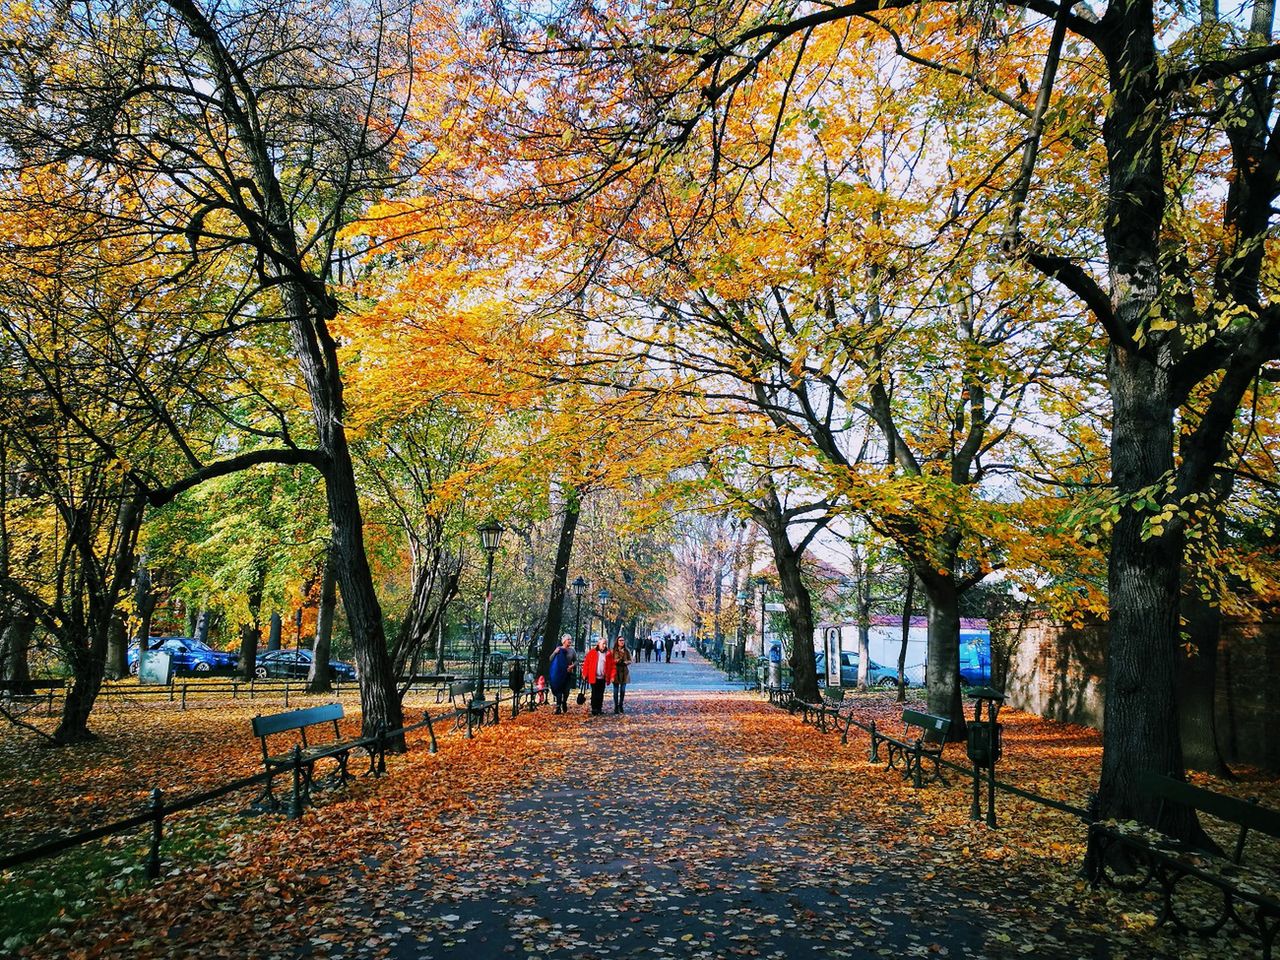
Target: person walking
<point>599,669</point>
<point>670,646</point>
<point>560,673</point>
<point>622,673</point>
<point>648,649</point>
<point>658,644</point>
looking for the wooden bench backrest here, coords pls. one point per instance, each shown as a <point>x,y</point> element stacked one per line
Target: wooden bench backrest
<point>1248,816</point>
<point>935,728</point>
<point>22,686</point>
<point>296,719</point>
<point>460,688</point>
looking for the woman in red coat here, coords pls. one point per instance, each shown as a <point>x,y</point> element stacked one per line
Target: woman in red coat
<point>599,669</point>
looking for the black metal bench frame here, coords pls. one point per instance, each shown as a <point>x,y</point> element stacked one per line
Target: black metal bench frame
<point>274,724</point>
<point>1167,862</point>
<point>913,752</point>
<point>467,711</point>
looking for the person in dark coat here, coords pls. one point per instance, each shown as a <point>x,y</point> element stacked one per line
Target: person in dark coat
<point>648,649</point>
<point>560,673</point>
<point>622,673</point>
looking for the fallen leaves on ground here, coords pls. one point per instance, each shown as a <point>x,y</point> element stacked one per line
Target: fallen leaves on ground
<point>695,826</point>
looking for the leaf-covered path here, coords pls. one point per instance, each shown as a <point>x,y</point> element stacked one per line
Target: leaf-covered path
<point>685,830</point>
<point>703,823</point>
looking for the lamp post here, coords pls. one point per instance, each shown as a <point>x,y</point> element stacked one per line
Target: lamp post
<point>490,537</point>
<point>740,647</point>
<point>579,588</point>
<point>604,597</point>
<point>297,637</point>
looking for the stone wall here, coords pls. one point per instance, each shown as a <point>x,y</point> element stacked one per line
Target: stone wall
<point>1058,672</point>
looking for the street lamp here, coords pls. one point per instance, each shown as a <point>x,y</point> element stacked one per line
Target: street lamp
<point>604,597</point>
<point>490,537</point>
<point>579,588</point>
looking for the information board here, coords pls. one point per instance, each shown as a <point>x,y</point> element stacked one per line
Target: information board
<point>155,667</point>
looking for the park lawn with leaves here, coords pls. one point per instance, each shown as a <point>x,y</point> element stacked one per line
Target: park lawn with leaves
<point>749,794</point>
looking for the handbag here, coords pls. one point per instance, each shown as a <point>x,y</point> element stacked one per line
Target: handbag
<point>582,698</point>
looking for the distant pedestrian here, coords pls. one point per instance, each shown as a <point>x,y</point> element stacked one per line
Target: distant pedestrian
<point>622,674</point>
<point>648,649</point>
<point>560,673</point>
<point>682,646</point>
<point>669,646</point>
<point>658,645</point>
<point>599,669</point>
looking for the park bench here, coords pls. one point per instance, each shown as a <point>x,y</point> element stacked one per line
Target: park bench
<point>824,715</point>
<point>779,694</point>
<point>28,693</point>
<point>467,710</point>
<point>912,752</point>
<point>301,721</point>
<point>1250,895</point>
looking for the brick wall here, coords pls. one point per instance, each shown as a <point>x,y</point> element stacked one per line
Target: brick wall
<point>1058,671</point>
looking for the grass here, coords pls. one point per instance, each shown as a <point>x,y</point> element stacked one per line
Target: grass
<point>44,895</point>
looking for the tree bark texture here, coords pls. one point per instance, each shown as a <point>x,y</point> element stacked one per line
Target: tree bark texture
<point>1197,681</point>
<point>250,637</point>
<point>117,666</point>
<point>1141,732</point>
<point>943,681</point>
<point>908,607</point>
<point>559,578</point>
<point>16,644</point>
<point>318,678</point>
<point>273,633</point>
<point>799,607</point>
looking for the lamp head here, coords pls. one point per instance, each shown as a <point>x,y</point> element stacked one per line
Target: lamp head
<point>491,535</point>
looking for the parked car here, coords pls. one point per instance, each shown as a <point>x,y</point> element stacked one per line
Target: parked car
<point>878,675</point>
<point>189,655</point>
<point>295,664</point>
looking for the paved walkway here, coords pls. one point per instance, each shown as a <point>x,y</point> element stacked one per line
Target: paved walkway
<point>692,674</point>
<point>679,830</point>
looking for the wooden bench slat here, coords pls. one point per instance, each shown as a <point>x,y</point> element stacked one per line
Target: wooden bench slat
<point>1220,806</point>
<point>296,719</point>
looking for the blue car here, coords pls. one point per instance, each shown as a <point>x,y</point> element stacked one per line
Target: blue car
<point>189,655</point>
<point>295,664</point>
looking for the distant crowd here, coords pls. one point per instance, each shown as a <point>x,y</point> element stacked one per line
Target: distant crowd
<point>606,666</point>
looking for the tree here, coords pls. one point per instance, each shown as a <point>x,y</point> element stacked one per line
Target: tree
<point>1177,313</point>
<point>240,156</point>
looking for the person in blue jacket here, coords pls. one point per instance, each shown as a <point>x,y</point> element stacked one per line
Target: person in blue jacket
<point>560,673</point>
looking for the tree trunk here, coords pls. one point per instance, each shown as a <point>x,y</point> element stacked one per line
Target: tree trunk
<point>144,603</point>
<point>864,651</point>
<point>73,727</point>
<point>379,698</point>
<point>117,665</point>
<point>907,610</point>
<point>273,633</point>
<point>1197,684</point>
<point>1141,732</point>
<point>559,577</point>
<point>250,637</point>
<point>799,606</point>
<point>319,679</point>
<point>201,632</point>
<point>943,660</point>
<point>16,644</point>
